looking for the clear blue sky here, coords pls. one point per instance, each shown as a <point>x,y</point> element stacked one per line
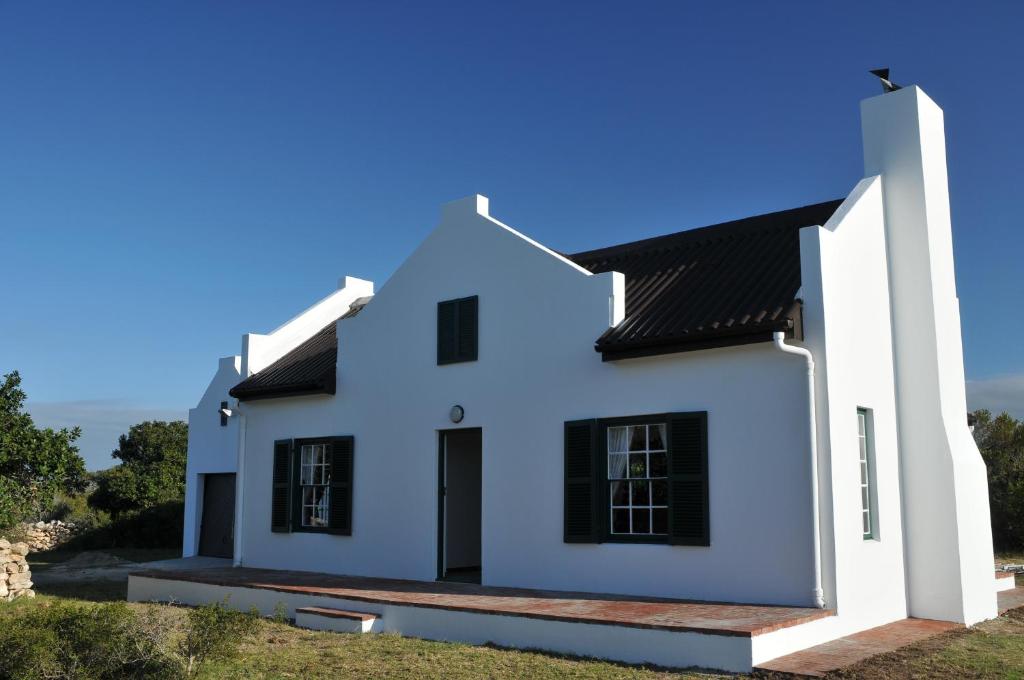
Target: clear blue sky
<point>175,174</point>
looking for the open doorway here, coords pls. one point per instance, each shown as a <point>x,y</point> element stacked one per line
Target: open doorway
<point>460,479</point>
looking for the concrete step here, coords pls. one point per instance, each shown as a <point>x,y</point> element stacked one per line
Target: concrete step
<point>1005,580</point>
<point>337,620</point>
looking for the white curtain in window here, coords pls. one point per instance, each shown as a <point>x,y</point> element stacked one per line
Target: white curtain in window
<point>618,437</point>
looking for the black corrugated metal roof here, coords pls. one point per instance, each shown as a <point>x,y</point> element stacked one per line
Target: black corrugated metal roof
<point>730,283</point>
<point>310,368</point>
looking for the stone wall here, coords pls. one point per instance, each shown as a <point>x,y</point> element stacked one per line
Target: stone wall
<point>47,535</point>
<point>15,577</point>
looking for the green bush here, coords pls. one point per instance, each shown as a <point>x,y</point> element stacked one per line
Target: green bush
<point>112,642</point>
<point>75,508</point>
<point>75,642</point>
<point>214,633</point>
<point>160,526</point>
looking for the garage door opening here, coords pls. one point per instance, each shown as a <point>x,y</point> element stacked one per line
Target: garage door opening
<point>217,530</point>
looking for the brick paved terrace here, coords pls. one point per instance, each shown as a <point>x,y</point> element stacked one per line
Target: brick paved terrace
<point>711,618</point>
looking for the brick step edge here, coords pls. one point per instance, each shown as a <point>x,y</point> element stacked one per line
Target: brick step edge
<point>329,613</point>
<point>1005,574</point>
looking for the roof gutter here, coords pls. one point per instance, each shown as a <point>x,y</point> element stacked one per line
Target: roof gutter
<point>812,428</point>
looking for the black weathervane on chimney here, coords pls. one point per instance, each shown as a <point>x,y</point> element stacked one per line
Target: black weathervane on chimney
<point>883,75</point>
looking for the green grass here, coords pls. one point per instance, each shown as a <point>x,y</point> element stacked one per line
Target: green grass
<point>280,650</point>
<point>994,649</point>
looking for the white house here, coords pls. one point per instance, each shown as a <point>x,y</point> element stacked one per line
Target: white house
<point>768,411</point>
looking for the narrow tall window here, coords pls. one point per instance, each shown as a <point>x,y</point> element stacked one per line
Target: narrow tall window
<point>866,445</point>
<point>314,480</point>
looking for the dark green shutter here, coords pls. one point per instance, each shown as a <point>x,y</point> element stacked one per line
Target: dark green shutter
<point>688,479</point>
<point>447,337</point>
<point>468,309</point>
<point>582,495</point>
<point>339,514</point>
<point>280,498</point>
<point>457,330</point>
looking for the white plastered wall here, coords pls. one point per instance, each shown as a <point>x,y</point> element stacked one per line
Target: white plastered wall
<point>539,317</point>
<point>212,448</point>
<point>946,511</point>
<point>847,327</point>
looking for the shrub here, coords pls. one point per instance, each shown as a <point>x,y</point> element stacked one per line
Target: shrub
<point>213,633</point>
<point>64,641</point>
<point>68,641</point>
<point>160,526</point>
<point>75,508</point>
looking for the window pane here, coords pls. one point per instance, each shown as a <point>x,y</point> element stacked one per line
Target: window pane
<point>305,475</point>
<point>318,455</point>
<point>320,516</point>
<point>307,495</point>
<point>656,437</point>
<point>637,437</point>
<point>641,521</point>
<point>641,493</point>
<point>659,465</point>
<point>659,493</point>
<point>861,424</point>
<point>863,449</point>
<point>620,521</point>
<point>307,516</point>
<point>659,520</point>
<point>864,473</point>
<point>620,493</point>
<point>617,439</point>
<point>307,455</point>
<point>867,524</point>
<point>617,466</point>
<point>864,498</point>
<point>637,465</point>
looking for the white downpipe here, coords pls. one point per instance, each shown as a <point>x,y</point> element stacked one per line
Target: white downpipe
<point>812,427</point>
<point>239,485</point>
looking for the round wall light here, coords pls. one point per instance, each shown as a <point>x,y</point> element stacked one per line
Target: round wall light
<point>457,414</point>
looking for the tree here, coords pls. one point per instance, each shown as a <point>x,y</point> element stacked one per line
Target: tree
<point>151,472</point>
<point>34,463</point>
<point>1001,441</point>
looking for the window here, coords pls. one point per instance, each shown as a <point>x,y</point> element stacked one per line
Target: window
<point>457,330</point>
<point>866,454</point>
<point>314,485</point>
<point>638,480</point>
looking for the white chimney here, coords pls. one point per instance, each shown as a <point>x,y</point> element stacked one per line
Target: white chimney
<point>948,554</point>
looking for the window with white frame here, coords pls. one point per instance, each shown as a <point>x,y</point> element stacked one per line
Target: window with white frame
<point>865,441</point>
<point>314,485</point>
<point>638,479</point>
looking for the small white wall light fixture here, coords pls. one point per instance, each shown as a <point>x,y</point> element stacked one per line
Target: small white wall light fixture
<point>457,414</point>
